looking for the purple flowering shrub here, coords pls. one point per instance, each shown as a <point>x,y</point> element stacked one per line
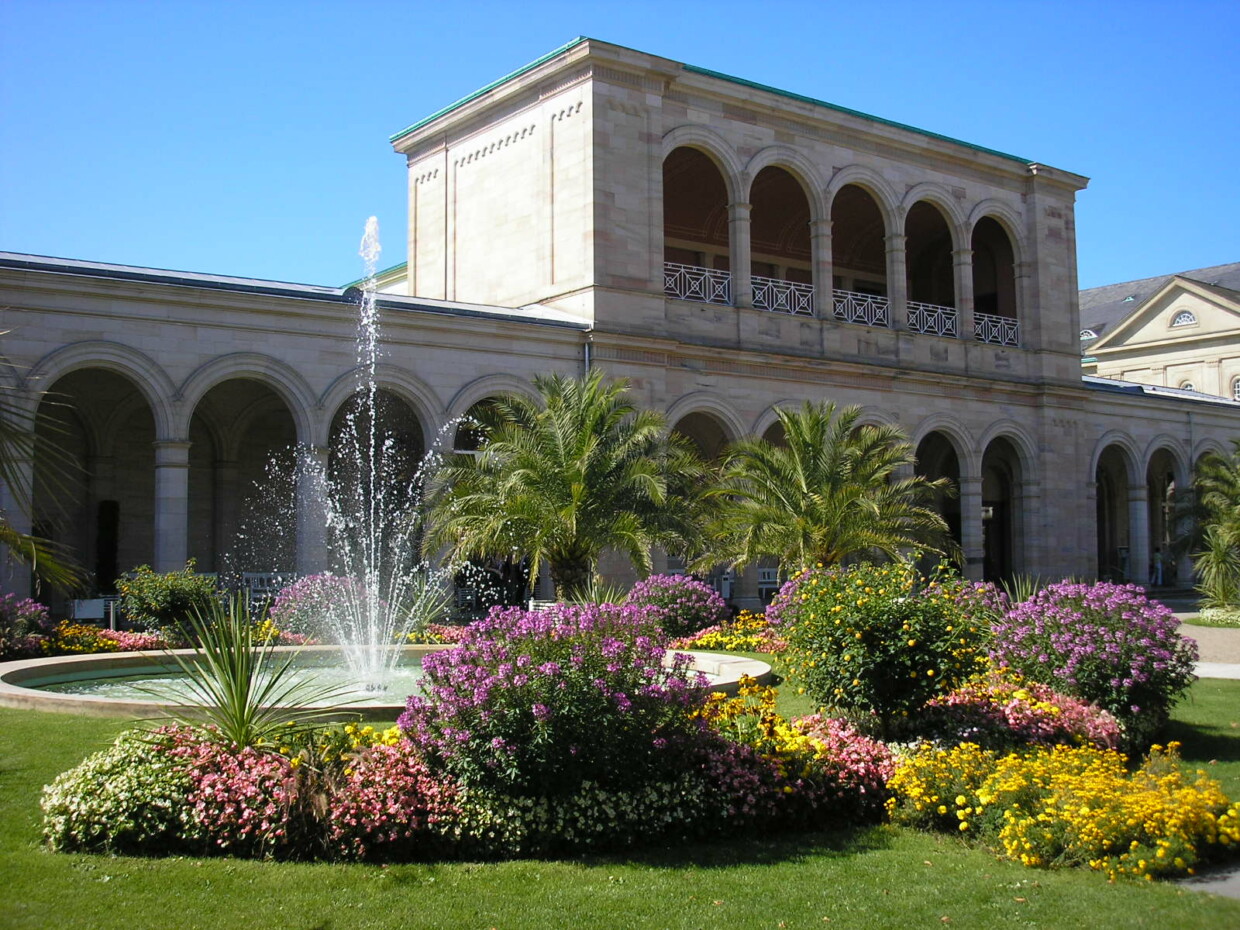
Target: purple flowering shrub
<point>1001,711</point>
<point>1103,643</point>
<point>538,703</point>
<point>686,604</point>
<point>23,624</point>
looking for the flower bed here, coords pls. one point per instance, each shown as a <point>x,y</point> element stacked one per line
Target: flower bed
<point>1070,806</point>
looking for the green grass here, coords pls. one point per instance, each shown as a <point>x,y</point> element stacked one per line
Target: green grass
<point>883,877</point>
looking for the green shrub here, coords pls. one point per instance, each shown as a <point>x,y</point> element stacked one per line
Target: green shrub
<point>131,797</point>
<point>877,642</point>
<point>164,602</point>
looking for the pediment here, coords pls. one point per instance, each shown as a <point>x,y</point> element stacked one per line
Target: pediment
<point>1182,312</point>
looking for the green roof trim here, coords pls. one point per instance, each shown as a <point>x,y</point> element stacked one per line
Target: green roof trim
<point>719,75</point>
<point>494,84</point>
<point>866,116</point>
<point>403,266</point>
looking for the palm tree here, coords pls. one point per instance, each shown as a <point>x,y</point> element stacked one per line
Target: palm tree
<point>563,478</point>
<point>18,443</point>
<point>832,493</point>
<point>1217,488</point>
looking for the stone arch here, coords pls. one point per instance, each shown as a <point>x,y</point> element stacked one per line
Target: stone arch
<point>872,183</point>
<point>1123,442</point>
<point>768,419</point>
<point>1207,446</point>
<point>937,194</point>
<point>956,433</point>
<point>146,374</point>
<point>420,397</point>
<point>1113,477</point>
<point>1007,218</point>
<point>716,148</point>
<point>487,386</point>
<point>1175,448</point>
<point>797,165</point>
<point>1020,439</point>
<point>288,384</point>
<point>709,403</point>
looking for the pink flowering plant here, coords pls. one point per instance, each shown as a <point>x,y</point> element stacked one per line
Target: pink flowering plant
<point>1103,643</point>
<point>24,624</point>
<point>304,606</point>
<point>999,710</point>
<point>540,702</point>
<point>686,604</point>
<point>387,804</point>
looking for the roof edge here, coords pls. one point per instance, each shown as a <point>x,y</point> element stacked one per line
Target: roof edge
<point>814,101</point>
<point>512,75</point>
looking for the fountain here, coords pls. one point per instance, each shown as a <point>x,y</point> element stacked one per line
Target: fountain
<point>370,497</point>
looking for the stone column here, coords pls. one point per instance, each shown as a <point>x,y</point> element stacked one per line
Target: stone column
<point>962,262</point>
<point>824,269</point>
<point>741,254</point>
<point>171,504</point>
<point>1139,534</point>
<point>897,280</point>
<point>14,573</point>
<point>971,538</point>
<point>312,554</point>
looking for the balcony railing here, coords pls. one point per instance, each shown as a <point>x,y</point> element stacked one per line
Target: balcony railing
<point>691,282</point>
<point>852,307</point>
<point>783,296</point>
<point>997,330</point>
<point>932,319</point>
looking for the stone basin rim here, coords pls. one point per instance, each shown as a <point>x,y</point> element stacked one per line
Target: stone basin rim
<point>726,671</point>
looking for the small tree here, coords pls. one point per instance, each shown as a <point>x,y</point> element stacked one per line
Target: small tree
<point>830,494</point>
<point>562,478</point>
<point>1217,565</point>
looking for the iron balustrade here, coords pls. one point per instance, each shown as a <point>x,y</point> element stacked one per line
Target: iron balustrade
<point>852,307</point>
<point>692,282</point>
<point>782,296</point>
<point>931,319</point>
<point>997,330</point>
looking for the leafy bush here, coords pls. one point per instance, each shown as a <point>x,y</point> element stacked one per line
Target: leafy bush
<point>687,605</point>
<point>749,632</point>
<point>164,602</point>
<point>23,624</point>
<point>1000,711</point>
<point>539,703</point>
<point>877,642</point>
<point>1071,806</point>
<point>130,798</point>
<point>1104,643</point>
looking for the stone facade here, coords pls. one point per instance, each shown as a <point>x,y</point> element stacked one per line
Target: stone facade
<point>728,248</point>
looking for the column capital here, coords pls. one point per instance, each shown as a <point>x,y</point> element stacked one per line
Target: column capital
<point>895,241</point>
<point>739,209</point>
<point>820,228</point>
<point>962,256</point>
<point>171,452</point>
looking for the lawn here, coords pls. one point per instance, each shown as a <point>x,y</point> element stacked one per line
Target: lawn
<point>882,877</point>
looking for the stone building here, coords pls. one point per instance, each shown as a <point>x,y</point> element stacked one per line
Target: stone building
<point>1177,331</point>
<point>728,247</point>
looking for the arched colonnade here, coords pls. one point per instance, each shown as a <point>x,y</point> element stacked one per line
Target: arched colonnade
<point>772,233</point>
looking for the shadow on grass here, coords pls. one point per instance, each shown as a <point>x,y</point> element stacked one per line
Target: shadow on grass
<point>1204,743</point>
<point>745,851</point>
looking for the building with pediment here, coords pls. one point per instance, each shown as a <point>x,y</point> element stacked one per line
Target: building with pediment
<point>1178,331</point>
<point>727,246</point>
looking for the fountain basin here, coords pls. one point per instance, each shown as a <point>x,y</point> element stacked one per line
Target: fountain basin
<point>21,681</point>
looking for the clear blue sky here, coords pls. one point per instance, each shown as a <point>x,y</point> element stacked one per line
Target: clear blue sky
<point>250,138</point>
